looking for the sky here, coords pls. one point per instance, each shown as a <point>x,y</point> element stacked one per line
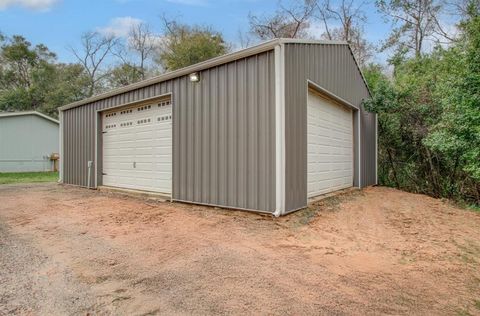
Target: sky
<point>59,23</point>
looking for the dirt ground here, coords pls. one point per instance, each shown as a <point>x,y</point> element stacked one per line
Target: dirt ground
<point>66,250</point>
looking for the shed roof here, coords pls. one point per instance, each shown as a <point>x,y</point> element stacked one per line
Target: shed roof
<point>11,114</point>
<point>266,46</point>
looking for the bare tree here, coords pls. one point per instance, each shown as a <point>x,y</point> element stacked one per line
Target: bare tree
<point>416,21</point>
<point>134,52</point>
<point>143,43</point>
<point>459,8</point>
<point>362,49</point>
<point>286,22</point>
<point>351,18</point>
<point>244,39</point>
<point>348,13</point>
<point>454,10</point>
<point>94,52</point>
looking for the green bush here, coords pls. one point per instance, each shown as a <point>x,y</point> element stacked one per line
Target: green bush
<point>429,119</point>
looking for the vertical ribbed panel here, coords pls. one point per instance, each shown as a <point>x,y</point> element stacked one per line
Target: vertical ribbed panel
<point>223,134</point>
<point>369,149</point>
<point>332,67</point>
<point>225,126</point>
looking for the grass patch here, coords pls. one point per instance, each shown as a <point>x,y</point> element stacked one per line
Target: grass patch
<point>464,205</point>
<point>27,177</point>
<point>475,208</point>
<point>477,304</point>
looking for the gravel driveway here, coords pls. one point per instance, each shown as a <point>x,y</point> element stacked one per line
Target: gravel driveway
<point>66,250</point>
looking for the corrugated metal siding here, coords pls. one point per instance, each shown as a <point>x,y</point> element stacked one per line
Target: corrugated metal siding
<point>223,136</point>
<point>369,149</point>
<point>332,67</point>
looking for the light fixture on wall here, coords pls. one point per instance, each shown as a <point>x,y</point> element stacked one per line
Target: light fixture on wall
<point>194,77</point>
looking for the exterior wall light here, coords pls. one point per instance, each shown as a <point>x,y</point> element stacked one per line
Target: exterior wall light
<point>194,77</point>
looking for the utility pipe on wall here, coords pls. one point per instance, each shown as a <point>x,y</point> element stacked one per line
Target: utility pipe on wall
<point>89,167</point>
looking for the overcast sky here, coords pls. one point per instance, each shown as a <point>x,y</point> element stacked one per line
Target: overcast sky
<point>59,23</point>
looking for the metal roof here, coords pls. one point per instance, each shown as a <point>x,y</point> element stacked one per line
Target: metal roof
<point>266,46</point>
<point>11,114</point>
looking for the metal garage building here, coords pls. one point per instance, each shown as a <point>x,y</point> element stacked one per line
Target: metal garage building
<point>261,129</point>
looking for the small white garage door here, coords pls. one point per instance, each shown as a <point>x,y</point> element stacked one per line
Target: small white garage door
<point>137,147</point>
<point>330,145</point>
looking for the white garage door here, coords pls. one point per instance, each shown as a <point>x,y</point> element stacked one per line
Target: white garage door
<point>330,145</point>
<point>137,147</point>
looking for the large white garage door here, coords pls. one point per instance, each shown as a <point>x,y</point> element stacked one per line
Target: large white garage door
<point>137,147</point>
<point>330,145</point>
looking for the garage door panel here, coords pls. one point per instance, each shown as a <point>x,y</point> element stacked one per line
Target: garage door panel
<point>119,157</point>
<point>142,160</point>
<point>321,140</point>
<point>161,151</point>
<point>163,161</point>
<point>114,160</point>
<point>137,148</point>
<point>165,134</point>
<point>325,152</point>
<point>148,181</point>
<point>321,159</point>
<point>120,145</point>
<point>114,136</point>
<point>119,152</point>
<point>144,143</point>
<point>145,174</point>
<point>146,169</point>
<point>162,185</point>
<point>115,152</point>
<point>119,171</point>
<point>120,180</point>
<point>123,164</point>
<point>316,149</point>
<point>330,146</point>
<point>165,167</point>
<point>115,142</point>
<point>143,151</point>
<point>328,185</point>
<point>156,159</point>
<point>143,168</point>
<point>145,136</point>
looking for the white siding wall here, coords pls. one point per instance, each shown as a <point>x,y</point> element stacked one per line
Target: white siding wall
<point>26,142</point>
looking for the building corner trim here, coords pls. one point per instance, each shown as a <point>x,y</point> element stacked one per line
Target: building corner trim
<point>360,144</point>
<point>376,149</point>
<point>61,150</point>
<point>280,130</point>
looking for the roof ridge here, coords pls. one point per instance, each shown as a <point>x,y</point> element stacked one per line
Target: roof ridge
<point>33,112</point>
